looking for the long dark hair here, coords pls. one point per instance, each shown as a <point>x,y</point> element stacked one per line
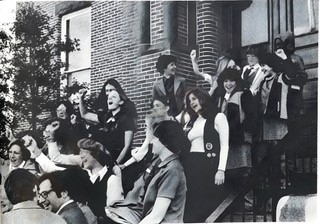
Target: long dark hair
<point>102,98</point>
<point>231,74</point>
<point>205,101</point>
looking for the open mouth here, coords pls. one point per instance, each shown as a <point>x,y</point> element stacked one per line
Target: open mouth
<point>13,160</point>
<point>194,106</point>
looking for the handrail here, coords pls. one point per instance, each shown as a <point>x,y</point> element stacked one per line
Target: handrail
<point>265,164</point>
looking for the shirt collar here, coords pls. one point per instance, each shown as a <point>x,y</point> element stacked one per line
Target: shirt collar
<point>168,160</point>
<point>100,173</point>
<point>20,166</point>
<point>25,204</point>
<point>256,66</point>
<point>227,96</point>
<point>64,205</point>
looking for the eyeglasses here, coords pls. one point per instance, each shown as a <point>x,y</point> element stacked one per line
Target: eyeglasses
<point>45,194</point>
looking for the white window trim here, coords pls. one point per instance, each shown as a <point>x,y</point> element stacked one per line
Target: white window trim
<point>63,33</point>
<point>312,21</point>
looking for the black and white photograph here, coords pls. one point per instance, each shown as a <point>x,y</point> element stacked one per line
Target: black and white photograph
<point>145,112</point>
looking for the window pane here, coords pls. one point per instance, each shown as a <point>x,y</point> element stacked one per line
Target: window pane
<point>80,29</point>
<point>305,15</point>
<point>255,23</point>
<point>81,77</point>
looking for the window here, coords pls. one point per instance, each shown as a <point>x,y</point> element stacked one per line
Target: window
<point>255,23</point>
<point>78,63</point>
<point>305,16</point>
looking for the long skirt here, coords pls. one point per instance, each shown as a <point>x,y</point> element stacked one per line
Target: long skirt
<point>203,195</point>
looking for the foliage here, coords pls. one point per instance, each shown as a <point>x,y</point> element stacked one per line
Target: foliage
<point>5,77</point>
<point>37,62</point>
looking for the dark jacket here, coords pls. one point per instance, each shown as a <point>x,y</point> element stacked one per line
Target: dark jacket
<point>179,93</point>
<point>73,214</point>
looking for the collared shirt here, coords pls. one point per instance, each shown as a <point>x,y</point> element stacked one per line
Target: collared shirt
<point>20,166</point>
<point>64,205</point>
<point>100,173</point>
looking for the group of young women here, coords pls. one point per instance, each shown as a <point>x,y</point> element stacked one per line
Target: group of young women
<point>221,126</point>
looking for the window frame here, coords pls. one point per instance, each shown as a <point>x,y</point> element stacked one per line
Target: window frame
<point>64,55</point>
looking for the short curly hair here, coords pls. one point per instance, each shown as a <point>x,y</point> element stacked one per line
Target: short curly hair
<point>25,153</point>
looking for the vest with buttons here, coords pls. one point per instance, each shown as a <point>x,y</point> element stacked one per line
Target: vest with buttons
<point>211,141</point>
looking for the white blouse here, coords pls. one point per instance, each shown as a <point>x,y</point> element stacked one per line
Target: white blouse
<point>196,137</point>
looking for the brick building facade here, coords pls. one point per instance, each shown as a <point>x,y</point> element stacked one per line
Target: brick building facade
<point>125,39</point>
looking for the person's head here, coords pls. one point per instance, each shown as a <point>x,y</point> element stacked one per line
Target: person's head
<point>18,152</point>
<point>198,102</point>
<point>64,110</point>
<point>51,191</point>
<point>229,59</point>
<point>55,130</point>
<point>172,136</point>
<point>288,39</point>
<point>253,54</point>
<point>79,186</point>
<point>114,100</point>
<point>166,65</point>
<point>230,80</point>
<point>108,86</point>
<point>92,154</point>
<point>19,186</point>
<point>160,107</point>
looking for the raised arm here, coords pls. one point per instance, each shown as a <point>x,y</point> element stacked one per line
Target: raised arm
<point>62,159</point>
<point>212,80</point>
<point>46,164</point>
<point>139,153</point>
<point>85,114</point>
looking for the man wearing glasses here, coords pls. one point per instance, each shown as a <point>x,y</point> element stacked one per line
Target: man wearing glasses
<point>19,187</point>
<point>52,194</point>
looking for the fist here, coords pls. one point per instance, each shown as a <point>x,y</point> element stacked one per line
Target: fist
<point>280,53</point>
<point>31,145</point>
<point>193,54</point>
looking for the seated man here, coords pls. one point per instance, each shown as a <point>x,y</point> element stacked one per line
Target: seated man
<point>52,189</point>
<point>19,188</point>
<point>159,194</point>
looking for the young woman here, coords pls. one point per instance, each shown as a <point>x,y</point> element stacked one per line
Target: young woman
<point>102,106</point>
<point>205,164</point>
<point>116,122</point>
<point>227,60</point>
<point>76,128</point>
<point>19,157</point>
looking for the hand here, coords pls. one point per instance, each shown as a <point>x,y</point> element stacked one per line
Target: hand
<point>73,119</point>
<point>9,135</point>
<point>193,55</point>
<point>82,93</point>
<point>31,145</point>
<point>117,170</point>
<point>219,177</point>
<point>280,53</point>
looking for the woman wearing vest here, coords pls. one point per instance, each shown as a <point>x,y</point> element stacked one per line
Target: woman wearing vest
<point>204,165</point>
<point>238,107</point>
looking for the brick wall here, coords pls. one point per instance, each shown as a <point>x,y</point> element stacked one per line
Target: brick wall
<point>115,47</point>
